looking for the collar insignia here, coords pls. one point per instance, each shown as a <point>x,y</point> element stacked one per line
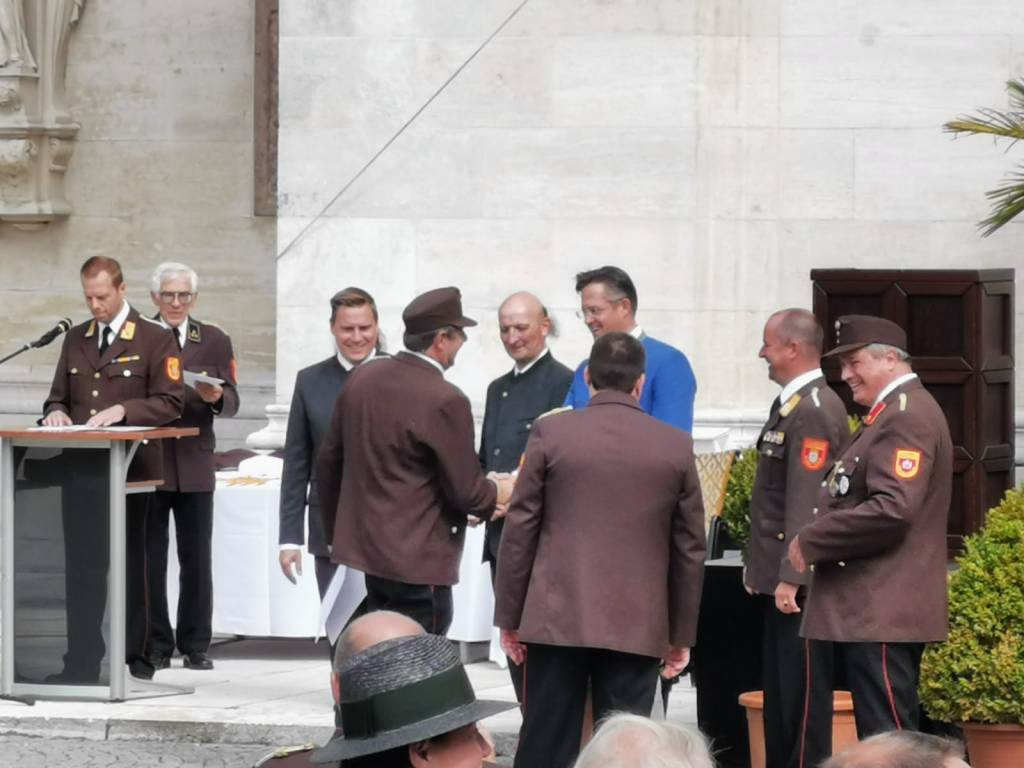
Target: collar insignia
<point>792,403</point>
<point>874,413</point>
<point>128,332</point>
<point>91,331</point>
<point>193,333</point>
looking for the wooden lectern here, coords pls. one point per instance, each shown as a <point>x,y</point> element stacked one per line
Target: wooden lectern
<point>43,474</point>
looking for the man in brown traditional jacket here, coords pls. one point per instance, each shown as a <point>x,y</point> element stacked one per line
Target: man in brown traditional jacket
<point>188,476</point>
<point>805,429</point>
<point>878,543</point>
<point>601,560</point>
<point>119,368</point>
<point>397,473</point>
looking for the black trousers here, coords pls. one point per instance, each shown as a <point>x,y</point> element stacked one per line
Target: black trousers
<point>797,682</point>
<point>193,526</point>
<point>86,561</point>
<point>883,680</point>
<point>430,606</point>
<point>555,692</point>
<point>515,671</point>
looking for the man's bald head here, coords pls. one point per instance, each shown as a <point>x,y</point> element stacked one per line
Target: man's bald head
<point>371,629</point>
<point>524,325</point>
<point>791,344</point>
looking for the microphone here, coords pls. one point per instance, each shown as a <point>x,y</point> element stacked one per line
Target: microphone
<point>53,333</point>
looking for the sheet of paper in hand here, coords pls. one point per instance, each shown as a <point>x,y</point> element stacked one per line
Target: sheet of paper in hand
<point>191,379</point>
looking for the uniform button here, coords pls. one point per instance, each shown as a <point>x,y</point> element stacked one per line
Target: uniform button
<point>768,452</point>
<point>814,511</point>
<point>202,373</point>
<point>75,370</point>
<point>504,394</point>
<point>497,451</point>
<point>811,567</point>
<point>856,459</point>
<point>96,375</point>
<point>842,564</point>
<point>95,393</point>
<point>92,411</point>
<point>455,529</point>
<point>823,483</point>
<point>781,537</point>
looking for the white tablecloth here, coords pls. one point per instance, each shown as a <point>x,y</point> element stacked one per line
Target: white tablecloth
<point>252,597</point>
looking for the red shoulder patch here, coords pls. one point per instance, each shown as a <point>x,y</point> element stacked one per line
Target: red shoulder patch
<point>813,453</point>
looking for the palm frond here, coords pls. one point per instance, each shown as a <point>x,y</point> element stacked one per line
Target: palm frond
<point>1007,200</point>
<point>1007,203</point>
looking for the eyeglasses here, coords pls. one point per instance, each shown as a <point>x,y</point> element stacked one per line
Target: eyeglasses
<point>596,312</point>
<point>183,297</point>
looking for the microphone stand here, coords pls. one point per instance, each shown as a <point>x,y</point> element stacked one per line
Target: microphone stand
<point>40,342</point>
<point>26,348</point>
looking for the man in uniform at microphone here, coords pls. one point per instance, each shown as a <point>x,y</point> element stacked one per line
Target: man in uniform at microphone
<point>188,476</point>
<point>119,368</point>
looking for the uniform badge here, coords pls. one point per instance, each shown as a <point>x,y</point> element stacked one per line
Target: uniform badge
<point>907,463</point>
<point>193,333</point>
<point>128,332</point>
<point>844,485</point>
<point>874,413</point>
<point>173,367</point>
<point>774,437</point>
<point>234,371</point>
<point>792,403</point>
<point>91,330</point>
<point>814,453</point>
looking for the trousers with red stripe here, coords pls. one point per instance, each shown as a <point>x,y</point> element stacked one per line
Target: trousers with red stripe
<point>883,679</point>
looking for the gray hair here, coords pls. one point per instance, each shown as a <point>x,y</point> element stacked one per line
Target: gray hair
<point>897,749</point>
<point>169,270</point>
<point>877,350</point>
<point>630,741</point>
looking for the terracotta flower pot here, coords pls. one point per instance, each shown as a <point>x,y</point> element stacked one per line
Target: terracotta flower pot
<point>844,729</point>
<point>995,746</point>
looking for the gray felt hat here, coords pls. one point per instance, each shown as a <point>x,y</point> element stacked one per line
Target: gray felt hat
<point>402,691</point>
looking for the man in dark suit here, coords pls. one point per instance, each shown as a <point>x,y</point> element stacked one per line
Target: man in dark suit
<point>536,384</point>
<point>878,542</point>
<point>601,560</point>
<point>397,472</point>
<point>806,427</point>
<point>118,369</point>
<point>188,475</point>
<point>354,325</point>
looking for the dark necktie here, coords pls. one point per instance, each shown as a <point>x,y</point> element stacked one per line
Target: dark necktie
<point>105,342</point>
<point>177,338</point>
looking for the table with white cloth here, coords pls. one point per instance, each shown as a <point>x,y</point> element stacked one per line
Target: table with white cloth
<point>251,596</point>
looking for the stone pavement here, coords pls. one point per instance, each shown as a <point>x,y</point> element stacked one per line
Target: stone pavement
<point>269,692</point>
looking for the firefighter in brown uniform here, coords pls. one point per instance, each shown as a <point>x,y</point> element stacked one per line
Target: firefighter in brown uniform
<point>805,429</point>
<point>117,369</point>
<point>188,476</point>
<point>878,542</point>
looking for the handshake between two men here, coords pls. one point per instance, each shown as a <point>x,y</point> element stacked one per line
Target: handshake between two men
<point>505,482</point>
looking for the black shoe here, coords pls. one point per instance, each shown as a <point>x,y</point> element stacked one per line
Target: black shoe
<point>141,668</point>
<point>71,676</point>
<point>198,660</point>
<point>160,661</point>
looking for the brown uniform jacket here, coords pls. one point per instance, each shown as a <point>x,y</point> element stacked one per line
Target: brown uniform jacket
<point>796,447</point>
<point>397,473</point>
<point>604,541</point>
<point>188,461</point>
<point>878,544</point>
<point>140,370</point>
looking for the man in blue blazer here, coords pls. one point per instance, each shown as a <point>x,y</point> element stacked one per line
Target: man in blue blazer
<point>608,303</point>
<point>356,334</point>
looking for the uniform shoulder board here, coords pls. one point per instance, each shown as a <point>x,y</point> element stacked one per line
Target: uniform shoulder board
<point>378,356</point>
<point>903,401</point>
<point>151,321</point>
<point>553,411</point>
<point>815,398</point>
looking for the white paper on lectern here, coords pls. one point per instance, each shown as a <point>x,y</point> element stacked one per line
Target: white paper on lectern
<point>344,594</point>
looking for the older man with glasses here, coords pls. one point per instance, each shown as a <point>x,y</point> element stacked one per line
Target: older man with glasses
<point>188,474</point>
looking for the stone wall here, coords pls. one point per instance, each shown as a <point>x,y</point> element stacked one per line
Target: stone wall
<point>162,169</point>
<point>717,149</point>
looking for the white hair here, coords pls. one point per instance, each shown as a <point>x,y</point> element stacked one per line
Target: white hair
<point>169,270</point>
<point>877,350</point>
<point>630,741</point>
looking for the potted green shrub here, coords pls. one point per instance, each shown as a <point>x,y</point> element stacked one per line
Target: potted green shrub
<point>736,505</point>
<point>976,678</point>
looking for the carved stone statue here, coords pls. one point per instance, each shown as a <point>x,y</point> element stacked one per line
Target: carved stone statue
<point>14,48</point>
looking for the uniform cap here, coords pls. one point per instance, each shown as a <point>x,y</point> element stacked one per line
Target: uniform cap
<point>856,331</point>
<point>435,309</point>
